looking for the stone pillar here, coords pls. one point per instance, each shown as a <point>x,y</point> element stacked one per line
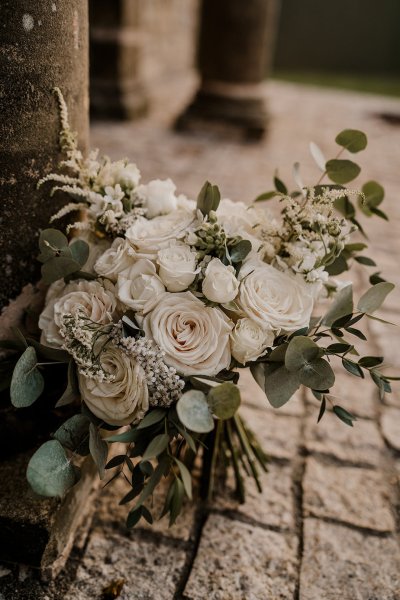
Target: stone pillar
<point>44,44</point>
<point>235,49</point>
<point>116,90</point>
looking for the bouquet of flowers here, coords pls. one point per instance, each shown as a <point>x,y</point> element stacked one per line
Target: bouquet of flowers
<point>156,302</point>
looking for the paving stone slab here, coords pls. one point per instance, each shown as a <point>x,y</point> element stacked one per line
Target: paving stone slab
<point>274,506</point>
<point>356,496</point>
<point>236,561</point>
<point>278,434</point>
<point>361,443</point>
<point>342,563</point>
<point>111,515</point>
<point>150,569</point>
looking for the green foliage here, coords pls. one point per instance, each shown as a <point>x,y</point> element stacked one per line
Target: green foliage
<point>60,259</point>
<point>303,357</point>
<point>49,471</point>
<point>208,198</point>
<point>239,251</point>
<point>27,383</point>
<point>154,416</point>
<point>280,384</point>
<point>74,434</point>
<point>344,415</point>
<point>374,297</point>
<point>224,400</point>
<point>194,412</point>
<point>373,195</point>
<point>342,170</point>
<point>71,393</point>
<point>352,139</point>
<point>156,446</point>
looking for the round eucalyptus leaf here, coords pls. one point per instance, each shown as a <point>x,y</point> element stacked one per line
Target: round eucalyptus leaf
<point>374,193</point>
<point>194,412</point>
<point>352,139</point>
<point>52,238</point>
<point>49,471</point>
<point>342,171</point>
<point>58,268</point>
<point>317,375</point>
<point>74,434</point>
<point>80,251</point>
<point>224,400</point>
<point>27,382</point>
<point>300,352</point>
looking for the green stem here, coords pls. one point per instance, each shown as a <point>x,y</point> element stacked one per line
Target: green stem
<point>235,463</point>
<point>247,450</point>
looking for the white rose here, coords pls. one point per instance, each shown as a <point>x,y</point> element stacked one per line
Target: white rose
<point>177,266</point>
<point>275,299</point>
<point>249,340</point>
<point>148,236</point>
<point>97,303</point>
<point>239,219</point>
<point>220,283</point>
<point>115,260</point>
<point>123,400</point>
<point>194,337</point>
<point>158,196</point>
<point>139,286</point>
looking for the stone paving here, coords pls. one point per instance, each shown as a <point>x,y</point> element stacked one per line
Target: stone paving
<point>326,525</point>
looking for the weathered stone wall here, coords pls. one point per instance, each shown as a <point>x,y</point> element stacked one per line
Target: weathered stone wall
<point>43,44</point>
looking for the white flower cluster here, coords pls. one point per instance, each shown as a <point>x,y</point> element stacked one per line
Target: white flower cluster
<point>310,236</point>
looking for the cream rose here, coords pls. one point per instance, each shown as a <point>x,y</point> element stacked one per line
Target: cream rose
<point>115,260</point>
<point>148,236</point>
<point>139,286</point>
<point>123,400</point>
<point>220,283</point>
<point>158,196</point>
<point>194,337</point>
<point>249,340</point>
<point>177,266</point>
<point>97,303</point>
<point>276,300</point>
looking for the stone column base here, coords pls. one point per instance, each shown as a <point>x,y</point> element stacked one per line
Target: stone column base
<point>239,106</point>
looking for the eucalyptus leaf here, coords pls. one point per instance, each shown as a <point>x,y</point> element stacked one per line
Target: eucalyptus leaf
<point>342,171</point>
<point>280,384</point>
<point>98,449</point>
<point>224,400</point>
<point>341,306</point>
<point>194,412</point>
<point>51,241</point>
<point>71,392</point>
<point>374,297</point>
<point>49,471</point>
<point>74,434</point>
<point>344,415</point>
<point>58,268</point>
<point>317,375</point>
<point>300,352</point>
<point>239,251</point>
<point>352,139</point>
<point>27,383</point>
<point>80,251</point>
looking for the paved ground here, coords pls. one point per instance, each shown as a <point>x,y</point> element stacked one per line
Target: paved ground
<point>327,524</point>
